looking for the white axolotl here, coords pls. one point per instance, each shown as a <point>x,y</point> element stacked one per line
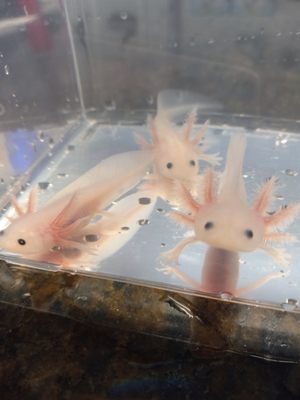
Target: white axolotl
<point>176,150</point>
<point>56,232</point>
<point>225,221</point>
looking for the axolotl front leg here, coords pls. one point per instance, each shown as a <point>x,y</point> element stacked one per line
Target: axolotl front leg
<point>220,274</point>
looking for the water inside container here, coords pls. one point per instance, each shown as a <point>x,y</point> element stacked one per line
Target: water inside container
<point>137,256</point>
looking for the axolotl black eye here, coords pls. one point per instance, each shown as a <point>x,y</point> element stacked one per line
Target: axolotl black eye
<point>169,165</point>
<point>22,242</point>
<point>209,225</point>
<point>192,163</point>
<point>248,233</point>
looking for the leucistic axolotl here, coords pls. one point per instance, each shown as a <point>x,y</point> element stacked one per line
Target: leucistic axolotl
<point>177,153</point>
<point>49,233</point>
<point>118,226</point>
<point>224,220</point>
<point>220,274</point>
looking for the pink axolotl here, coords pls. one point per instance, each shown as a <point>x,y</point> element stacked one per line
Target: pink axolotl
<point>55,232</point>
<point>225,221</point>
<point>176,154</point>
<point>220,274</point>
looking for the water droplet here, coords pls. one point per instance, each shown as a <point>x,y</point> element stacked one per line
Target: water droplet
<point>41,136</point>
<point>242,261</point>
<point>110,105</point>
<point>144,222</point>
<point>211,41</point>
<point>44,185</point>
<point>6,69</point>
<point>62,175</point>
<point>150,100</point>
<point>71,147</point>
<point>144,200</point>
<point>26,294</point>
<point>290,305</point>
<point>245,176</point>
<point>51,143</point>
<point>279,197</point>
<point>278,34</point>
<point>291,172</point>
<point>226,296</point>
<point>123,15</point>
<point>192,42</point>
<point>91,238</point>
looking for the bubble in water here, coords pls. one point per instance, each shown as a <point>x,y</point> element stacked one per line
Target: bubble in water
<point>150,100</point>
<point>290,304</point>
<point>110,105</point>
<point>91,238</point>
<point>51,143</point>
<point>192,42</point>
<point>279,197</point>
<point>282,138</point>
<point>41,136</point>
<point>71,147</point>
<point>144,200</point>
<point>62,175</point>
<point>6,69</point>
<point>290,172</point>
<point>226,296</point>
<point>211,41</point>
<point>44,185</point>
<point>123,15</point>
<point>144,222</point>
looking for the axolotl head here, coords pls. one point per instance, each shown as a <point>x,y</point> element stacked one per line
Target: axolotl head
<point>232,227</point>
<point>21,237</point>
<point>177,159</point>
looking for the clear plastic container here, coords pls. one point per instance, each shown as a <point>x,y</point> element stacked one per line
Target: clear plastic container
<point>78,82</point>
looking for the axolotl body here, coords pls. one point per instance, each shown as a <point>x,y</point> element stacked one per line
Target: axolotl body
<point>55,232</point>
<point>228,225</point>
